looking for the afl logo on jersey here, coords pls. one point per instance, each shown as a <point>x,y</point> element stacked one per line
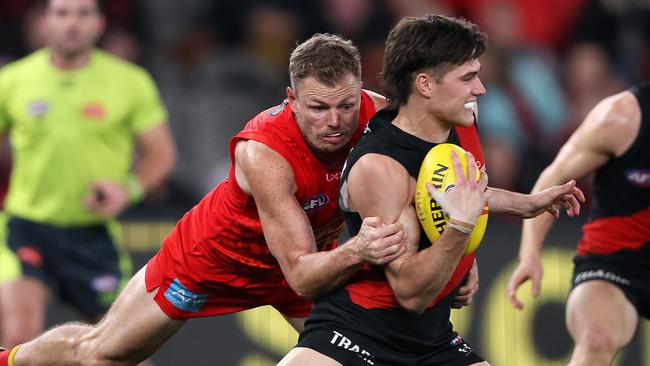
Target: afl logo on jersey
<point>38,108</point>
<point>316,201</point>
<point>638,177</point>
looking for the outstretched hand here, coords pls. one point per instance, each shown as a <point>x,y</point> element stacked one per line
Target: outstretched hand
<point>526,270</point>
<point>553,199</point>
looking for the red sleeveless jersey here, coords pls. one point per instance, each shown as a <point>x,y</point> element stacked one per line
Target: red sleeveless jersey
<point>226,219</point>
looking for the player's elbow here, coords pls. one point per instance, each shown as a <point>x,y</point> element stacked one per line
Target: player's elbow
<point>309,295</point>
<point>303,291</point>
<point>166,158</point>
<point>412,303</point>
<point>409,296</point>
<point>301,286</point>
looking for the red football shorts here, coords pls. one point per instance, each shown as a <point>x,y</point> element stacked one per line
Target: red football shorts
<point>202,282</point>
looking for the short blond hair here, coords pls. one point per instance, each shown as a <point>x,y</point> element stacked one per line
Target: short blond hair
<point>326,57</point>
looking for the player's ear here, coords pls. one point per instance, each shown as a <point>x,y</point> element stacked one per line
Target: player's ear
<point>292,97</point>
<point>422,84</point>
<point>291,93</point>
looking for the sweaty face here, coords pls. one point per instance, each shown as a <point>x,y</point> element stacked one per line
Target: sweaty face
<point>455,95</point>
<point>326,115</point>
<point>73,25</point>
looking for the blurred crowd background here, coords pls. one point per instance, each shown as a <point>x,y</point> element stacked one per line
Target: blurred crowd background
<point>218,63</point>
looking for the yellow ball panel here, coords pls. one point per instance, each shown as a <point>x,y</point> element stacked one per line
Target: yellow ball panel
<point>437,169</point>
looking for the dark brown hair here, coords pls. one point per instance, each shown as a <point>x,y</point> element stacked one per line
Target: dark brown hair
<point>433,42</point>
<point>325,57</point>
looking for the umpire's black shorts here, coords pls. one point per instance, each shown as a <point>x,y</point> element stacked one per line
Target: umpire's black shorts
<point>84,265</point>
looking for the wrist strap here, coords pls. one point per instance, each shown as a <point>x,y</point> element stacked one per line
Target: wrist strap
<point>12,354</point>
<point>135,189</point>
<point>462,226</point>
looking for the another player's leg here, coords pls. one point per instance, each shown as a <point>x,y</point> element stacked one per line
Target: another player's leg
<point>601,320</point>
<point>133,329</point>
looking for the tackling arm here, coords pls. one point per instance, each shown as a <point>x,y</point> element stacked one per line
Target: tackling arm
<point>268,177</point>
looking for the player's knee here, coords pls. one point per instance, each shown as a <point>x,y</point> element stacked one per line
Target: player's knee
<point>596,340</point>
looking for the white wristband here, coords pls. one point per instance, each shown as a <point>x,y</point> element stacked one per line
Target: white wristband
<point>462,226</point>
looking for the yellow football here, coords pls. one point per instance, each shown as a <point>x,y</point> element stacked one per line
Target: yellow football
<point>438,170</point>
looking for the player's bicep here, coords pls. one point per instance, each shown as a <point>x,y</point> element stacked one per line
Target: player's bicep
<point>378,186</point>
<point>381,187</point>
<point>575,160</point>
<point>600,137</point>
<point>270,181</point>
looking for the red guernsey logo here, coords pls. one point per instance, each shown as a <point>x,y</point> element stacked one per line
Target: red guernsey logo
<point>94,110</point>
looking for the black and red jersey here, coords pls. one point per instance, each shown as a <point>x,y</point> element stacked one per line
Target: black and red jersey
<point>369,288</point>
<point>621,216</point>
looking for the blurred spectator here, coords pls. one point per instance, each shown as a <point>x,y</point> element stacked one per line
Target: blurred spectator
<point>34,32</point>
<point>622,28</point>
<point>544,23</point>
<point>270,34</point>
<point>21,28</point>
<point>588,78</point>
<point>194,30</point>
<point>525,107</point>
<point>120,42</point>
<point>402,8</point>
<point>215,90</point>
<point>366,23</point>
